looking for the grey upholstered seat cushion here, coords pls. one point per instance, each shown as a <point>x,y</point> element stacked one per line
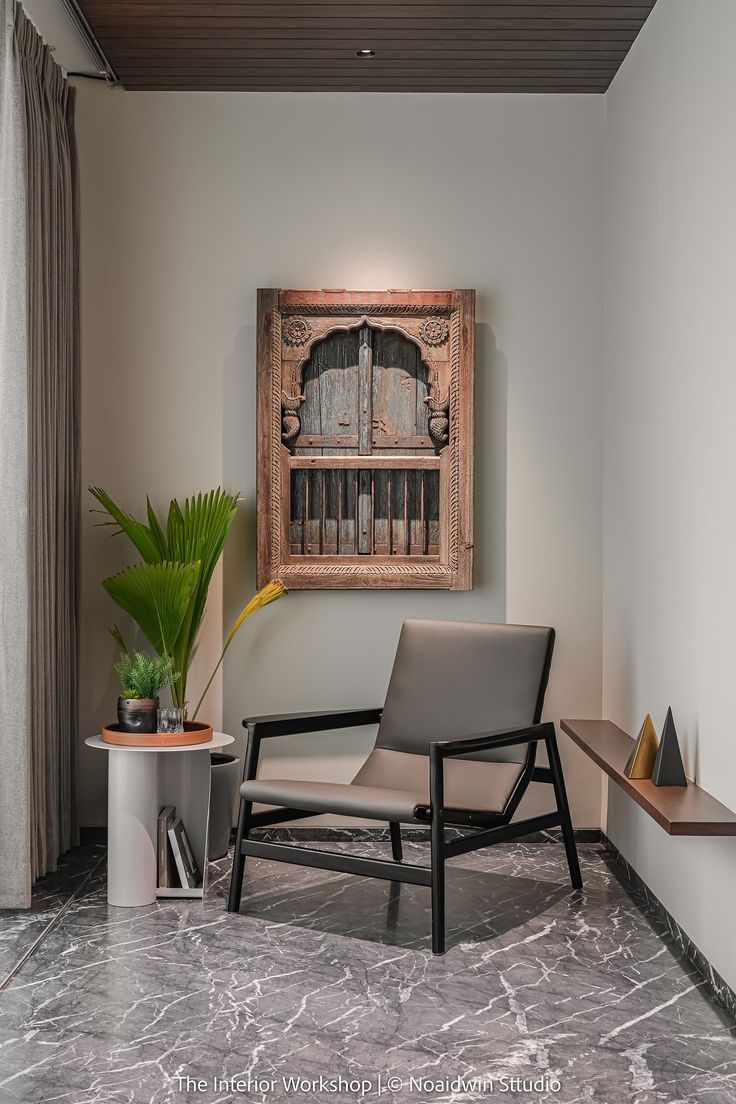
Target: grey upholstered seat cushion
<point>391,785</point>
<point>374,802</point>
<point>483,786</point>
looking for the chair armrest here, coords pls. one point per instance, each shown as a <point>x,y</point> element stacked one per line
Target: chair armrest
<point>292,724</point>
<point>486,741</point>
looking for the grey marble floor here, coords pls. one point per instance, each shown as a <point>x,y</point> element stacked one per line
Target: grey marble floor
<point>21,929</point>
<point>326,975</point>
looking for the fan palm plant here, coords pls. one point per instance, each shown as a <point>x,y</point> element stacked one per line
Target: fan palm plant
<point>167,593</point>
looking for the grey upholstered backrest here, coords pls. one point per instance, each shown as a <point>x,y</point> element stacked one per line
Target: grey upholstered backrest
<point>458,678</point>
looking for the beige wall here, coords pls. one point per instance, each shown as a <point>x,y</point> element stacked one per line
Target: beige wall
<point>670,454</point>
<point>192,201</point>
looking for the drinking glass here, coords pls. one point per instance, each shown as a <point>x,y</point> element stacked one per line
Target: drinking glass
<point>171,719</point>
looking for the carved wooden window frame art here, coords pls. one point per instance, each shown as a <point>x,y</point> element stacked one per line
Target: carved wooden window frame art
<point>292,325</point>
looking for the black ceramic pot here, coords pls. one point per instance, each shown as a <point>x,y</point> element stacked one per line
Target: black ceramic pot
<point>138,714</point>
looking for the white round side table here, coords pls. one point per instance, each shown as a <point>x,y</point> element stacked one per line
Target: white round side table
<point>141,780</point>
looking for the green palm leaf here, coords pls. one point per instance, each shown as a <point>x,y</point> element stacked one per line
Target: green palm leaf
<point>197,531</point>
<point>117,636</point>
<point>139,534</point>
<point>157,534</point>
<point>158,597</point>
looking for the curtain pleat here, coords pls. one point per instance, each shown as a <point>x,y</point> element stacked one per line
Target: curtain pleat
<point>53,490</point>
<point>15,770</point>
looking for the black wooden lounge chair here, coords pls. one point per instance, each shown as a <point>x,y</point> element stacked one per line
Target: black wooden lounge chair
<point>456,746</point>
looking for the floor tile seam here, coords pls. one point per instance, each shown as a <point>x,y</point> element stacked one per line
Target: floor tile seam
<point>53,923</point>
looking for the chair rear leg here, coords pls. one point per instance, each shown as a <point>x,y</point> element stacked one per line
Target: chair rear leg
<point>396,849</point>
<point>438,890</point>
<point>568,836</point>
<point>437,801</point>
<point>236,878</point>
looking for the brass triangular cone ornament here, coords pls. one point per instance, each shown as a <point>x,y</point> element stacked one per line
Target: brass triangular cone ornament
<point>668,769</point>
<point>641,760</point>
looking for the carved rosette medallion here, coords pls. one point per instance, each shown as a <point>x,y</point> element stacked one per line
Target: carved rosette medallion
<point>434,331</point>
<point>296,331</point>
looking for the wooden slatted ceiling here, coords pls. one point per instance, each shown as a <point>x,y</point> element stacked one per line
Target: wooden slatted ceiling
<point>420,46</point>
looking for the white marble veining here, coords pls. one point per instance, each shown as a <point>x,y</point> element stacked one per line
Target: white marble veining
<point>327,975</point>
<point>20,929</point>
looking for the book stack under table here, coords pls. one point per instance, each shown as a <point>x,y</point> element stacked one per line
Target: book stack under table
<point>177,866</point>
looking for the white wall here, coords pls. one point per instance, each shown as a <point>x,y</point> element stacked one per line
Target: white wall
<point>670,447</point>
<point>192,201</point>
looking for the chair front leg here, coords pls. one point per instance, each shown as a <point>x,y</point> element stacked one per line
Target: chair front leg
<point>246,807</point>
<point>437,800</point>
<point>236,878</point>
<point>396,849</point>
<point>568,835</point>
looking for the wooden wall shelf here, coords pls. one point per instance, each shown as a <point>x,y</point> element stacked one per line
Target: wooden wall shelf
<point>680,811</point>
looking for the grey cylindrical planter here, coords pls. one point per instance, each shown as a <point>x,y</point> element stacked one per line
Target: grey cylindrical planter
<point>223,795</point>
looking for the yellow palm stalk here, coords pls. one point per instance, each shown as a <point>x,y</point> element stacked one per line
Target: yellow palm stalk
<point>271,592</point>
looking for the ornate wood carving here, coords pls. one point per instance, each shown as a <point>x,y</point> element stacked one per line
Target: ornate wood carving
<point>434,331</point>
<point>439,420</point>
<point>365,438</point>
<point>296,331</point>
<point>338,309</point>
<point>290,420</point>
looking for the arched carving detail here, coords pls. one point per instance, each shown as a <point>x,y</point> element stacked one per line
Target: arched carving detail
<point>355,324</point>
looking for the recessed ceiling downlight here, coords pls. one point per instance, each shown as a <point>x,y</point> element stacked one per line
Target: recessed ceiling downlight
<point>365,53</point>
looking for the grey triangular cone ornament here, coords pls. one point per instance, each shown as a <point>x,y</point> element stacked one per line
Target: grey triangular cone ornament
<point>668,769</point>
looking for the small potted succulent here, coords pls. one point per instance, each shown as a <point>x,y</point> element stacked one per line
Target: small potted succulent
<point>141,679</point>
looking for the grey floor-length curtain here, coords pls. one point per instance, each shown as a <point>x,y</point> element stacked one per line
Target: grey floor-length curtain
<point>15,852</point>
<point>39,431</point>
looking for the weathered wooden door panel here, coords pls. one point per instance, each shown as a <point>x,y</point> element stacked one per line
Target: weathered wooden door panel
<point>329,411</point>
<point>400,386</point>
<point>365,406</point>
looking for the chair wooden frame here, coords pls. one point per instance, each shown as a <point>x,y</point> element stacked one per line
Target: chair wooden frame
<point>486,828</point>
